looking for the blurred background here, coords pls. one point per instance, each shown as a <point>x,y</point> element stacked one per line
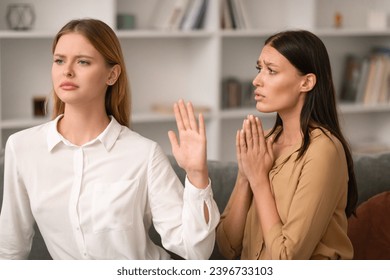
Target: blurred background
<point>203,51</point>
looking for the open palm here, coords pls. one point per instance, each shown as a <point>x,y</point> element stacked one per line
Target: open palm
<point>190,150</point>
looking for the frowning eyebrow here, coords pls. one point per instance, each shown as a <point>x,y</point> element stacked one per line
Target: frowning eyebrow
<point>266,63</point>
<point>77,56</point>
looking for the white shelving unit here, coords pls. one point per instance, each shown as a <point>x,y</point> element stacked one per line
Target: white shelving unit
<point>164,66</point>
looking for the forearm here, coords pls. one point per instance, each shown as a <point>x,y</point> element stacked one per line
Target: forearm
<point>234,218</point>
<point>265,205</point>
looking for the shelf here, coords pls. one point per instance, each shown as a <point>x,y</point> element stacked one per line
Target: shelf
<point>36,34</point>
<point>321,32</point>
<point>346,108</point>
<point>22,123</point>
<point>163,34</point>
<point>166,65</point>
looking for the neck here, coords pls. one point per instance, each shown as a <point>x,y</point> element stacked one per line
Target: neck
<point>292,133</point>
<point>80,127</point>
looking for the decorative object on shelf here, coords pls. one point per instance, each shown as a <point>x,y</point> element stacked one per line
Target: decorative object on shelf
<point>39,103</point>
<point>125,22</point>
<point>338,20</point>
<point>20,16</point>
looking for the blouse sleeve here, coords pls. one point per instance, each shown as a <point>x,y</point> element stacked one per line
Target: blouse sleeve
<point>16,219</point>
<point>322,184</point>
<point>178,213</point>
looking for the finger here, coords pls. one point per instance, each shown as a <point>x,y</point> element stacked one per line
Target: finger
<point>248,134</point>
<point>174,142</point>
<point>202,127</point>
<point>255,131</point>
<point>179,120</point>
<point>191,115</point>
<point>243,144</point>
<point>238,149</point>
<point>261,133</point>
<point>184,115</point>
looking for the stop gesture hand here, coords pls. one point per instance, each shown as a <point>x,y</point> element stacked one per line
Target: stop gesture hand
<point>190,150</point>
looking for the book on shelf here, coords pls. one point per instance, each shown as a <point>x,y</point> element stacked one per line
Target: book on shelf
<point>180,15</point>
<point>195,15</point>
<point>366,79</point>
<point>237,93</point>
<point>234,15</point>
<point>351,78</point>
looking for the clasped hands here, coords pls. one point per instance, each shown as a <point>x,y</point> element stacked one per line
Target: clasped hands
<point>255,155</point>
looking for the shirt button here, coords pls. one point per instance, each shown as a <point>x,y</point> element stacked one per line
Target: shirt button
<point>77,228</point>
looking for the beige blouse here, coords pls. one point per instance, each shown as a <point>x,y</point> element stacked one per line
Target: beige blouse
<point>311,196</point>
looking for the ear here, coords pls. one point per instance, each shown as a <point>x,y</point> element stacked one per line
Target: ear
<point>114,74</point>
<point>308,83</point>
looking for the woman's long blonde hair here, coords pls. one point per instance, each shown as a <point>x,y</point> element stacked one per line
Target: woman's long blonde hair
<point>103,38</point>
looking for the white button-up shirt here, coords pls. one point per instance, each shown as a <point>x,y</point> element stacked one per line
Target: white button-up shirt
<point>98,200</point>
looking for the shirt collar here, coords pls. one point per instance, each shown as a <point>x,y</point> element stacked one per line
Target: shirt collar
<point>108,137</point>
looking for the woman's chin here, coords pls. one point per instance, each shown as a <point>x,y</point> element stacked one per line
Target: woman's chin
<point>262,108</point>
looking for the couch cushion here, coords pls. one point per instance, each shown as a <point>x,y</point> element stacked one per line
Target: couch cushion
<point>369,231</point>
<point>371,174</point>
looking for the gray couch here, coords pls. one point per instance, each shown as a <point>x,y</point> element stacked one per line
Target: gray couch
<point>371,173</point>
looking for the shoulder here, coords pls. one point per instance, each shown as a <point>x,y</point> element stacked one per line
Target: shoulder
<point>325,144</point>
<point>30,136</point>
<point>138,146</point>
<point>128,136</point>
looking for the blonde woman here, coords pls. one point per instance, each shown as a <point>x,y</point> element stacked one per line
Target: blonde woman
<point>93,186</point>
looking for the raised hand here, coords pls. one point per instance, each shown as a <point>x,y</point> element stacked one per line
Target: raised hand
<point>190,150</point>
<point>254,152</point>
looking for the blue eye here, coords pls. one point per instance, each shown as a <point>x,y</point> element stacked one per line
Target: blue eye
<point>258,68</point>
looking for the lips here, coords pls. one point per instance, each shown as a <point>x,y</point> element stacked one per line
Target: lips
<point>68,86</point>
<point>258,96</point>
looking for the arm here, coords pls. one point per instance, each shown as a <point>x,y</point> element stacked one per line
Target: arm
<point>320,186</point>
<point>321,189</point>
<point>16,220</point>
<point>190,153</point>
<point>178,212</point>
<point>230,231</point>
<point>256,156</point>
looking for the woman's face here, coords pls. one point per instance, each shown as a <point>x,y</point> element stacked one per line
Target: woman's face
<point>80,74</point>
<point>278,85</point>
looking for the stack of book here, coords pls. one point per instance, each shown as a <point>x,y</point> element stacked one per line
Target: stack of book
<point>237,93</point>
<point>234,15</point>
<point>182,15</point>
<point>367,79</point>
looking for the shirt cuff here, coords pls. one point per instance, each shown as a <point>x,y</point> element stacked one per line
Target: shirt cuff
<point>194,192</point>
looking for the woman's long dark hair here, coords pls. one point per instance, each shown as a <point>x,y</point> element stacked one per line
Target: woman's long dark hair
<point>308,54</point>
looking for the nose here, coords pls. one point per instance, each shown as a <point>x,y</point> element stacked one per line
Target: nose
<point>68,72</point>
<point>257,81</point>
